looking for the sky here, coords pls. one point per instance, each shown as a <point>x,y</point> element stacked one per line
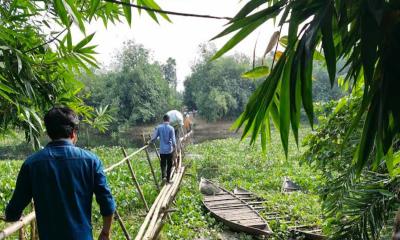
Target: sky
<point>179,39</point>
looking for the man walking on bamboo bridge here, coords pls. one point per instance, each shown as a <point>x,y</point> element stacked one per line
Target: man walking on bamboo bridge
<point>167,145</point>
<point>62,179</point>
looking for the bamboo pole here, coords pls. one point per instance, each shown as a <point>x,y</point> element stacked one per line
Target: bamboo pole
<point>135,181</point>
<point>156,211</point>
<point>17,225</point>
<point>121,223</point>
<point>151,165</point>
<point>125,159</point>
<point>149,215</point>
<point>156,223</point>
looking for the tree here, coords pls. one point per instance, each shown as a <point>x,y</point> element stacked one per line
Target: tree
<point>135,90</point>
<point>216,88</point>
<point>39,60</point>
<point>169,70</point>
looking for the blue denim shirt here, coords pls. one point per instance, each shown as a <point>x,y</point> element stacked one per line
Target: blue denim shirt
<point>61,179</point>
<point>166,134</point>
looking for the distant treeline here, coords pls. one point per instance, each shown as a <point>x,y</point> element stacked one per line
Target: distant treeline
<point>217,90</point>
<point>139,90</point>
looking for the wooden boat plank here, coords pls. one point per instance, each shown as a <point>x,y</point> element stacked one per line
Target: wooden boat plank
<point>218,196</point>
<point>223,202</point>
<point>250,223</point>
<point>242,217</point>
<point>232,211</point>
<point>228,204</point>
<point>232,205</point>
<point>219,199</point>
<point>236,213</point>
<point>248,198</point>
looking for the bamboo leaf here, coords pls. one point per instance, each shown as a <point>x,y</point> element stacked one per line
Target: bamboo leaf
<point>367,139</point>
<point>127,11</point>
<point>283,41</point>
<point>258,72</point>
<point>284,106</point>
<point>244,32</point>
<point>272,43</point>
<point>94,4</point>
<point>154,5</point>
<point>61,11</point>
<point>70,7</point>
<point>248,8</point>
<point>369,42</point>
<point>84,42</point>
<point>328,44</point>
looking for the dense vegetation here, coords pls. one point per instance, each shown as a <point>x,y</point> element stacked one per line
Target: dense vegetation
<point>355,206</point>
<point>40,58</point>
<point>355,148</point>
<point>229,162</point>
<point>363,33</point>
<point>137,89</point>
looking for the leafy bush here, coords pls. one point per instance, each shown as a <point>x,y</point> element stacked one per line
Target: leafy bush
<point>356,206</point>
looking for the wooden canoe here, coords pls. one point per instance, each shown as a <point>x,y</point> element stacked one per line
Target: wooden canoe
<point>235,213</point>
<point>306,232</point>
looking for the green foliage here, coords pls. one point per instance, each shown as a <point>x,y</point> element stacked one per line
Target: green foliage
<point>355,207</point>
<point>233,163</point>
<point>169,70</point>
<point>39,59</point>
<point>135,90</point>
<point>229,161</point>
<point>364,33</point>
<point>216,88</point>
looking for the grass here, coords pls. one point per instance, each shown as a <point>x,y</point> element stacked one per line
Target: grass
<point>232,163</point>
<point>229,162</point>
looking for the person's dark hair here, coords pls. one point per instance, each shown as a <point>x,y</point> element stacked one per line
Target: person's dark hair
<point>166,118</point>
<point>60,122</point>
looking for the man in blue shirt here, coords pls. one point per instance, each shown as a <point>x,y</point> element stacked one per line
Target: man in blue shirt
<point>167,145</point>
<point>62,179</point>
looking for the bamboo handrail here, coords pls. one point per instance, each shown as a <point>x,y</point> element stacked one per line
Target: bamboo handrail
<point>17,225</point>
<point>125,159</point>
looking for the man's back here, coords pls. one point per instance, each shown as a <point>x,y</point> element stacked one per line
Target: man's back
<point>62,178</point>
<point>167,138</point>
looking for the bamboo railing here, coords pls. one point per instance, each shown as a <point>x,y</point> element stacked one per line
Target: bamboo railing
<point>155,215</point>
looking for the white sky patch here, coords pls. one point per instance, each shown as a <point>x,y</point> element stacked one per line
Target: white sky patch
<point>179,39</point>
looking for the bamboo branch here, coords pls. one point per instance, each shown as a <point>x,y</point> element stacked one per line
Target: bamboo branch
<point>167,12</point>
